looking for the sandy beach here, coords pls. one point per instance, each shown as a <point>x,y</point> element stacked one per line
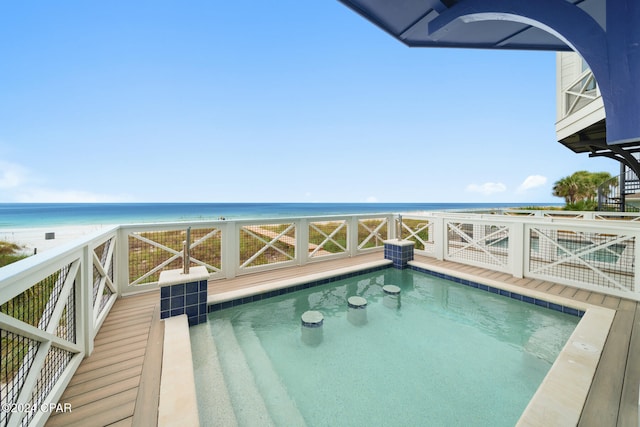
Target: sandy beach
<point>35,239</point>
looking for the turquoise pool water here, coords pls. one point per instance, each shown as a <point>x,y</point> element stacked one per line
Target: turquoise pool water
<point>447,354</point>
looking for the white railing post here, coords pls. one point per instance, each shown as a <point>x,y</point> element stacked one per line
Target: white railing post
<point>121,257</point>
<point>85,300</point>
<point>302,241</point>
<point>352,235</point>
<point>636,255</point>
<point>517,248</point>
<point>229,251</point>
<point>439,237</point>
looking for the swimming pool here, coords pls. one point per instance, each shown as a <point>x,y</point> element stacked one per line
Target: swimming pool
<point>444,354</point>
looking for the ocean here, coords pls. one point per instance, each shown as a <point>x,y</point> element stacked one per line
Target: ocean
<point>32,215</point>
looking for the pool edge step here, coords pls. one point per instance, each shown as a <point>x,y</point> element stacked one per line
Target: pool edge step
<point>210,380</point>
<point>284,411</point>
<point>248,405</point>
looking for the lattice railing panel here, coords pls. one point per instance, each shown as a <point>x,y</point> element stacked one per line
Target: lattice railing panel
<point>103,286</point>
<point>264,244</point>
<point>56,362</point>
<point>327,238</point>
<point>151,252</point>
<point>36,326</point>
<point>419,231</point>
<point>479,244</point>
<point>17,356</point>
<point>372,232</point>
<point>598,259</point>
<point>67,324</point>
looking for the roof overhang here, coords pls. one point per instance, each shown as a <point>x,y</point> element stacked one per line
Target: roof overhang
<point>447,23</point>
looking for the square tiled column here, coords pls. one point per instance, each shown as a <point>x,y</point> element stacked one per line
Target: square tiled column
<point>184,294</point>
<point>399,251</point>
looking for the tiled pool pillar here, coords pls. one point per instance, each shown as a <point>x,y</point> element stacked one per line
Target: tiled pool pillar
<point>399,251</point>
<point>184,294</point>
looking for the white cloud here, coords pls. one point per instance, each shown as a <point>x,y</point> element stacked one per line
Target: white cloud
<point>487,188</point>
<point>12,175</point>
<point>532,181</point>
<point>20,185</point>
<point>371,199</point>
<point>41,195</point>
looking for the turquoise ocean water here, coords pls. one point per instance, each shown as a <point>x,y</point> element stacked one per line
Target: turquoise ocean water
<point>27,215</point>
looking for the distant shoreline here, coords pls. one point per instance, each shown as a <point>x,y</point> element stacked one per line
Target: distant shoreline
<point>34,238</point>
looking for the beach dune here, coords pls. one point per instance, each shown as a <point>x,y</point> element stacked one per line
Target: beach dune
<point>38,240</point>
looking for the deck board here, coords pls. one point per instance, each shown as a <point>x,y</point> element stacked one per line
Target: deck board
<point>118,384</point>
<point>628,414</point>
<point>105,387</point>
<point>603,401</point>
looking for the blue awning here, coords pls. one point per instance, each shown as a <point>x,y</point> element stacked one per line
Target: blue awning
<point>446,23</point>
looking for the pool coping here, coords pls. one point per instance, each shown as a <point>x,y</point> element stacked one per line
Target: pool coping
<point>178,405</point>
<point>561,396</point>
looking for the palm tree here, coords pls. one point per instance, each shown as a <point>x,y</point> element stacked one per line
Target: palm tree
<point>580,187</point>
<point>568,188</point>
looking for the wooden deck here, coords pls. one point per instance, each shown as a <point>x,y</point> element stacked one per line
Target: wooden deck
<point>118,384</point>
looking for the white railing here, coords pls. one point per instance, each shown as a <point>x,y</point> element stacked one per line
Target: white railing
<point>593,254</point>
<point>72,288</point>
<point>232,248</point>
<point>52,306</point>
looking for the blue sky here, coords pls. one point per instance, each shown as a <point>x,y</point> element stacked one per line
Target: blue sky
<point>286,101</point>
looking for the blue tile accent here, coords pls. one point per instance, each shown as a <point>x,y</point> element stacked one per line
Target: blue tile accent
<point>181,298</point>
<point>570,310</point>
<point>228,304</point>
<point>192,299</point>
<point>514,295</point>
<point>400,255</point>
<point>177,311</point>
<point>542,303</point>
<point>192,311</point>
<point>556,307</point>
<point>177,301</point>
<point>192,287</point>
<point>177,289</point>
<point>165,292</point>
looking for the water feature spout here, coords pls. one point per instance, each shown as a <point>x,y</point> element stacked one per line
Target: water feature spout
<point>186,252</point>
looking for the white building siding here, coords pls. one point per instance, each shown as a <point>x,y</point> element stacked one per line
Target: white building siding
<point>585,111</point>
